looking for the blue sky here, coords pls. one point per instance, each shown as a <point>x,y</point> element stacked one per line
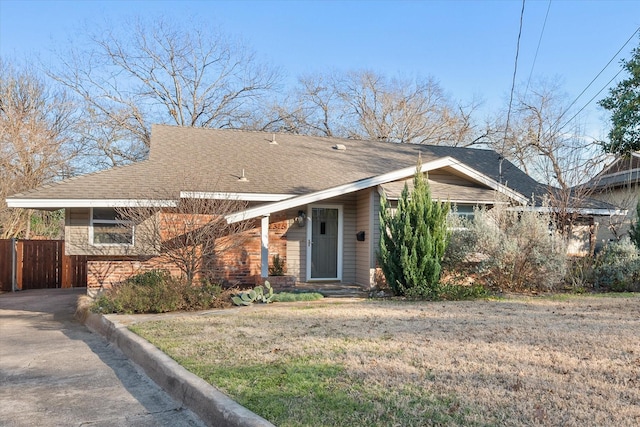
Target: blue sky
<point>468,46</point>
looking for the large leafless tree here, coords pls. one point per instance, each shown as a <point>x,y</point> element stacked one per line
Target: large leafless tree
<point>160,71</point>
<point>35,140</point>
<point>541,139</point>
<point>369,105</point>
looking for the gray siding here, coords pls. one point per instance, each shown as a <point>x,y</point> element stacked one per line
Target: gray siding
<point>76,231</point>
<point>376,225</point>
<point>349,239</point>
<point>76,235</point>
<point>296,248</point>
<point>365,251</point>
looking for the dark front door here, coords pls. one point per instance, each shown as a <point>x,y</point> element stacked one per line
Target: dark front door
<point>325,226</point>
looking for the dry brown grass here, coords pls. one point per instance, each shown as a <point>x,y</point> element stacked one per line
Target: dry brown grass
<point>571,361</point>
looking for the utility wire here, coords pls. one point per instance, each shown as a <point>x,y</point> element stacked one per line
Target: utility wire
<point>544,24</point>
<point>513,86</point>
<point>589,85</point>
<point>591,100</point>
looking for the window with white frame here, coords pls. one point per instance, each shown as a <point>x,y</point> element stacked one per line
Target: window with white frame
<point>463,211</point>
<point>460,216</point>
<point>109,228</point>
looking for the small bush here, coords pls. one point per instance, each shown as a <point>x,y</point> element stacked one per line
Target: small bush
<point>277,266</point>
<point>634,231</point>
<point>580,275</point>
<point>206,296</point>
<point>156,291</point>
<point>508,251</point>
<point>462,240</point>
<point>617,268</point>
<point>521,251</point>
<point>462,292</point>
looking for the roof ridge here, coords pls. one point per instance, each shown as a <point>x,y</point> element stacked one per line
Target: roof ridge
<point>302,135</point>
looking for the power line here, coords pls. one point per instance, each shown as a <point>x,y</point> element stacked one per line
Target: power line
<point>592,98</point>
<point>590,83</point>
<point>535,57</point>
<point>513,86</point>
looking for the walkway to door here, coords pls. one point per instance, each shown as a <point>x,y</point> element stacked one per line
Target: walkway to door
<point>54,372</point>
<point>328,289</point>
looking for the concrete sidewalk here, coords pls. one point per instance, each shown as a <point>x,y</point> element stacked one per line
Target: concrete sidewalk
<point>54,372</point>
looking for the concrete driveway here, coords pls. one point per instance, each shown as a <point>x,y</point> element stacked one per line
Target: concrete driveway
<point>54,372</point>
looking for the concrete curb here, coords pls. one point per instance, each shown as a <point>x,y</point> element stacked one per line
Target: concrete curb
<point>212,406</point>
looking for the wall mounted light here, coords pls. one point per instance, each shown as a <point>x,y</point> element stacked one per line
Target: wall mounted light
<point>360,236</point>
<point>300,219</point>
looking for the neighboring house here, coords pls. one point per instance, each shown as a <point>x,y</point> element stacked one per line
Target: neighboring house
<point>617,184</point>
<point>314,200</point>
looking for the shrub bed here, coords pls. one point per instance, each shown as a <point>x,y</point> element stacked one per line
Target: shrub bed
<point>156,291</point>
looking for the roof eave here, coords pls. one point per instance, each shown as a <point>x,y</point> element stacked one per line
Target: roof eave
<point>245,197</point>
<point>582,211</point>
<point>86,203</point>
<point>328,193</point>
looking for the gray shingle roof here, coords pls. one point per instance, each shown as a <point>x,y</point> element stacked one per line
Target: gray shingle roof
<point>214,159</point>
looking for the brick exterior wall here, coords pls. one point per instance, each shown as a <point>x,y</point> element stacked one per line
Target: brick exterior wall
<point>238,266</point>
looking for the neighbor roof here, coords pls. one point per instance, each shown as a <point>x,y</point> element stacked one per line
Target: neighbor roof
<point>621,172</point>
<point>275,167</point>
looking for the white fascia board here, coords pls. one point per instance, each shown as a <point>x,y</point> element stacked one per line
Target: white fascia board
<point>332,192</point>
<point>622,173</point>
<point>367,183</point>
<point>583,211</point>
<point>245,197</point>
<point>87,203</point>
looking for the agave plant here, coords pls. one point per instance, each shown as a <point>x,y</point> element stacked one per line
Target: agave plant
<point>263,294</point>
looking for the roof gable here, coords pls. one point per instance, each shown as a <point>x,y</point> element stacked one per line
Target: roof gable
<point>621,172</point>
<point>318,196</point>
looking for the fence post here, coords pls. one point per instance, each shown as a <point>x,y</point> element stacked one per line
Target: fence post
<point>14,260</point>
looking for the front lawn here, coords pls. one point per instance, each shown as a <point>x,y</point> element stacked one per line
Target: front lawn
<point>521,361</point>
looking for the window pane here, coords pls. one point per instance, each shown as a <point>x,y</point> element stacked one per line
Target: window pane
<point>464,209</point>
<point>104,214</point>
<point>112,234</point>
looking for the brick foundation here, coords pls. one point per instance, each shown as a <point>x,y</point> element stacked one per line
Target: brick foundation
<point>237,266</point>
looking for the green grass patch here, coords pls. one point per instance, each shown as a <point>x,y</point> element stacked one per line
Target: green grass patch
<point>417,363</point>
<point>296,296</point>
<point>300,391</point>
<point>595,295</point>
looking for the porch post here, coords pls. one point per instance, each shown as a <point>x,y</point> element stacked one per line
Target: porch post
<point>14,266</point>
<point>264,252</point>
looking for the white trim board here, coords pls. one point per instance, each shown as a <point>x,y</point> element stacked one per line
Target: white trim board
<point>246,197</point>
<point>583,211</point>
<point>87,203</point>
<point>372,182</point>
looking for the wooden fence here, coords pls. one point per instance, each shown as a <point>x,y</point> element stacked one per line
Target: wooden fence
<point>40,264</point>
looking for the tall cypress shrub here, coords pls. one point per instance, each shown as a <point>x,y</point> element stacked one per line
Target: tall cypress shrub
<point>413,240</point>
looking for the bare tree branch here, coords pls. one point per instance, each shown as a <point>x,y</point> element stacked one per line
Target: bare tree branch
<point>161,72</point>
<point>193,236</point>
<point>35,141</point>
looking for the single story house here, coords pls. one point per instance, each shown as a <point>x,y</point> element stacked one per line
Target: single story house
<point>617,184</point>
<point>314,201</point>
